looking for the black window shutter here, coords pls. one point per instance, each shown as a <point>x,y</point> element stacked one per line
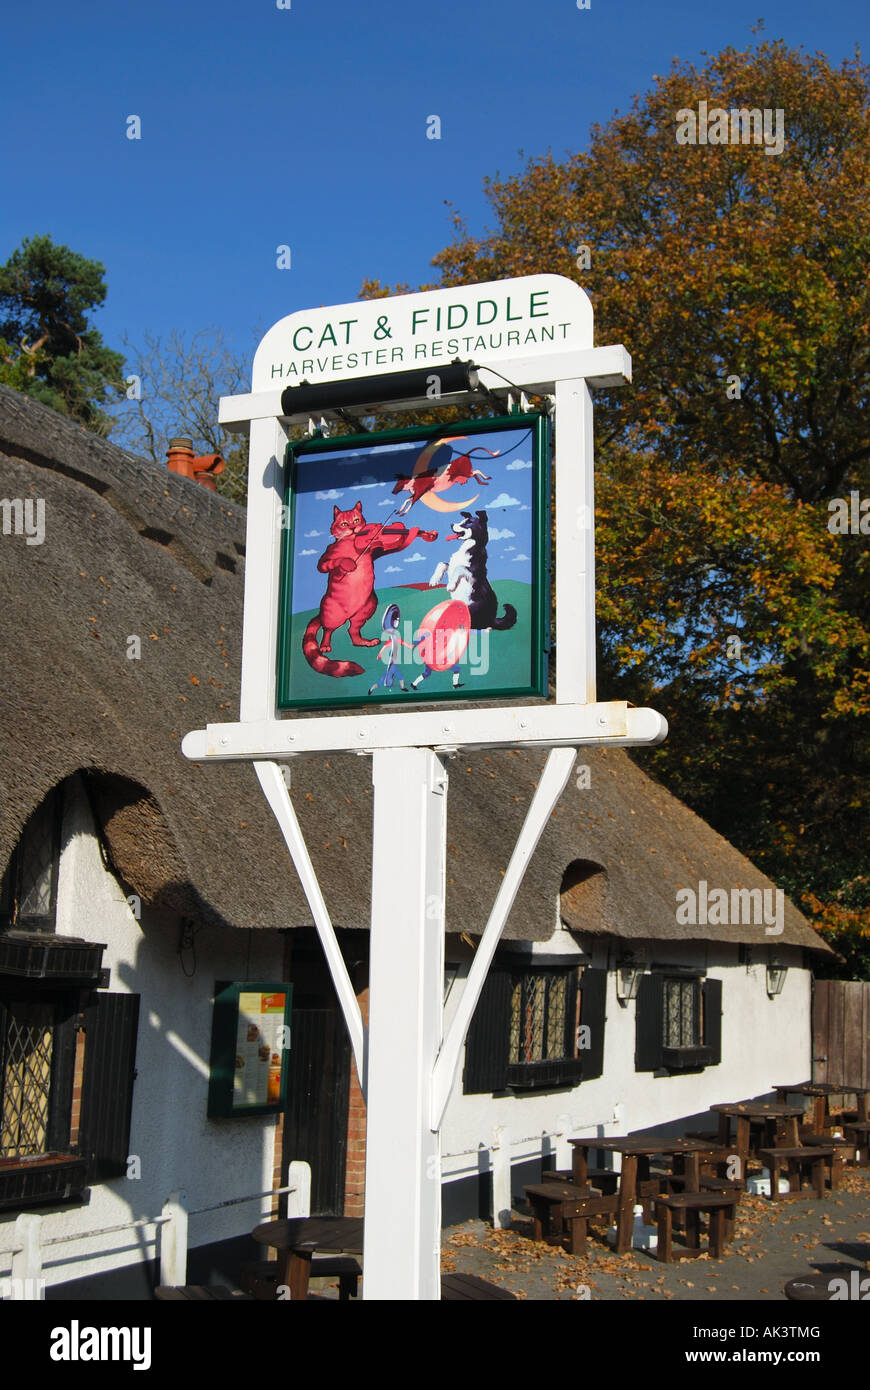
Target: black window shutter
<point>649,1037</point>
<point>110,1023</point>
<point>62,1073</point>
<point>713,1020</point>
<point>593,986</point>
<point>487,1048</point>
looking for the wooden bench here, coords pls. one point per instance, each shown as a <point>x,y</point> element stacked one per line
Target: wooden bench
<point>844,1152</point>
<point>604,1180</point>
<point>812,1157</point>
<point>721,1208</point>
<point>200,1293</point>
<point>561,1208</point>
<point>260,1277</point>
<point>858,1131</point>
<point>469,1288</point>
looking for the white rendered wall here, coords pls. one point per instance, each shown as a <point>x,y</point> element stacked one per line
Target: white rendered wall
<point>210,1160</point>
<point>765,1042</point>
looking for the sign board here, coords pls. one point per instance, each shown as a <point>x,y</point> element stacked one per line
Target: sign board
<point>313,515</point>
<point>451,524</point>
<point>505,320</point>
<point>249,1048</point>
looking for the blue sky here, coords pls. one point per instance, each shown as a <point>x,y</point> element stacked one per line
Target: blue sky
<point>307,127</point>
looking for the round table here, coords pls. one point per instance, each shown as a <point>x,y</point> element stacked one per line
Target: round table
<point>300,1237</point>
<point>820,1288</point>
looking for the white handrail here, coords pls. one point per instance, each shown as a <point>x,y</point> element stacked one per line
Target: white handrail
<point>27,1283</point>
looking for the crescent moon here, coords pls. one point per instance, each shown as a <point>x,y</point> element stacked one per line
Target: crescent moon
<point>437,505</point>
<point>430,499</point>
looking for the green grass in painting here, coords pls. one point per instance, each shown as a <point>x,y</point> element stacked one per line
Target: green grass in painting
<point>510,659</point>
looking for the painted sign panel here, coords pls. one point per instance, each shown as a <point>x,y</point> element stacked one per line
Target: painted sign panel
<point>414,565</point>
<point>493,321</point>
<point>250,1041</point>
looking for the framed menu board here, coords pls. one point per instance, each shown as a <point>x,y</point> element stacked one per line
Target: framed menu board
<point>250,1047</point>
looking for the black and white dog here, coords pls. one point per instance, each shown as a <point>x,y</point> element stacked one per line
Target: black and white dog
<point>466,574</point>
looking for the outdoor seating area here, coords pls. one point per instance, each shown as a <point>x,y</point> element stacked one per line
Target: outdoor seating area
<point>668,1188</point>
<point>675,1197</point>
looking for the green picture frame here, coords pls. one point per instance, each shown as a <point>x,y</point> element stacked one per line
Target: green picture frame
<point>352,634</point>
<point>244,1077</point>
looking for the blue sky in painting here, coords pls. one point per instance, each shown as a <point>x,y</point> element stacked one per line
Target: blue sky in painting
<point>328,480</point>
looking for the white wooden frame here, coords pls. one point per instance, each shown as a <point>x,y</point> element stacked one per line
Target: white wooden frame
<point>405,1064</point>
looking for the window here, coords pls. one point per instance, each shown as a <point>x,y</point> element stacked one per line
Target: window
<point>540,1026</point>
<point>536,1029</point>
<point>28,893</point>
<point>60,1038</point>
<point>682,1013</point>
<point>679,1022</point>
<point>50,1044</point>
<point>25,1085</point>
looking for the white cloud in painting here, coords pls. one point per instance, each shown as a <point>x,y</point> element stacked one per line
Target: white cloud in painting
<point>508,549</point>
<point>503,500</point>
<point>330,496</point>
<point>387,502</point>
<point>308,552</point>
<point>524,508</point>
<point>368,482</point>
<point>411,559</point>
<point>518,464</point>
<point>393,569</point>
<point>309,535</point>
<point>517,558</point>
<point>503,535</point>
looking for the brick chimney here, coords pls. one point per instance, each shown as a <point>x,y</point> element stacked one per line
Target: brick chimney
<point>180,458</point>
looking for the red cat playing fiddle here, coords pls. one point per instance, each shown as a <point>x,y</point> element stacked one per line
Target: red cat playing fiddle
<point>350,589</point>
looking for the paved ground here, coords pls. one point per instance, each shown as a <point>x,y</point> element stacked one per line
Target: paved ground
<point>773,1243</point>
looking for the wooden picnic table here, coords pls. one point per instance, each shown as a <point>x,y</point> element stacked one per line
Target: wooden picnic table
<point>820,1091</point>
<point>636,1152</point>
<point>862,1098</point>
<point>301,1237</point>
<point>766,1114</point>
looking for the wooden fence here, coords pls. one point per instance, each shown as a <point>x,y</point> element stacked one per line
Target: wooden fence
<point>841,1032</point>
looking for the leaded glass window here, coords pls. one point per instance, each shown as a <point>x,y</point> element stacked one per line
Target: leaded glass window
<point>682,1013</point>
<point>539,1021</point>
<point>28,894</point>
<point>25,1081</point>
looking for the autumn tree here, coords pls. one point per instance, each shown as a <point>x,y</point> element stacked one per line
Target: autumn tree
<point>737,278</point>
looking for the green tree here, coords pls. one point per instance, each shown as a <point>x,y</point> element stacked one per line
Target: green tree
<point>49,348</point>
<point>724,600</point>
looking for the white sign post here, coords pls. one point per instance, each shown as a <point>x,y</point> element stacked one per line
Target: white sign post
<point>527,335</point>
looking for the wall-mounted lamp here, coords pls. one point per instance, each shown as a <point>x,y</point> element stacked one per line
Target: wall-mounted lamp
<point>776,973</point>
<point>628,978</point>
<point>453,378</point>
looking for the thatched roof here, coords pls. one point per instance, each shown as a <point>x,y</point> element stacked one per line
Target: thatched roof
<point>133,550</point>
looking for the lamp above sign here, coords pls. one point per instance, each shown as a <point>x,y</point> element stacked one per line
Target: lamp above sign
<point>503,320</point>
